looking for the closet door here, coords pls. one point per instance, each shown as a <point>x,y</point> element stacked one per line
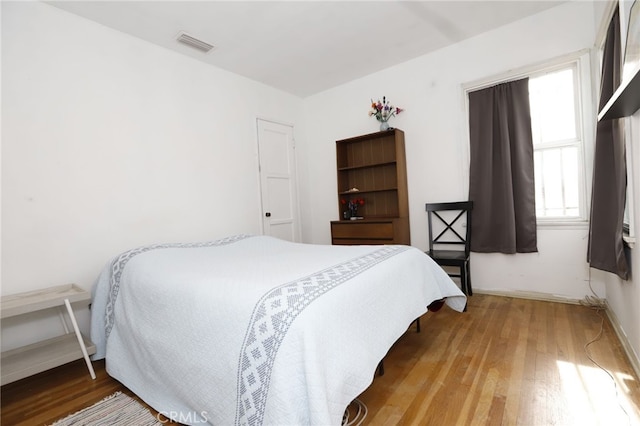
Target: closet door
<point>278,185</point>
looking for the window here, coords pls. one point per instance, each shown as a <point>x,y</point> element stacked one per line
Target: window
<point>563,126</point>
<point>558,143</point>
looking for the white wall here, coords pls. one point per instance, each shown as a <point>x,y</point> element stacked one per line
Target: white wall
<point>435,123</point>
<point>109,142</point>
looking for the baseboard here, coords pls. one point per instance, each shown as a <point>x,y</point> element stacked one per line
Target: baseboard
<point>634,360</point>
<point>628,349</point>
<point>532,295</point>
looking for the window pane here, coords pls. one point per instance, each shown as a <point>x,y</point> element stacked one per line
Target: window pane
<point>537,175</point>
<point>570,176</point>
<point>552,180</point>
<point>553,114</point>
<point>557,182</point>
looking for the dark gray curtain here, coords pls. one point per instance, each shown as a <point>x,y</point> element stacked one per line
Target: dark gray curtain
<point>501,183</point>
<point>606,247</point>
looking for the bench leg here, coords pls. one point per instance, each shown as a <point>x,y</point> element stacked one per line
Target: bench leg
<point>85,354</point>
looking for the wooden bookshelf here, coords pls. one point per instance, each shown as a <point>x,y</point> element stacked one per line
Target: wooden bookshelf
<point>374,164</point>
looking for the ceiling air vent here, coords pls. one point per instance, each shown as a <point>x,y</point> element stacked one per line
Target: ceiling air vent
<point>202,46</point>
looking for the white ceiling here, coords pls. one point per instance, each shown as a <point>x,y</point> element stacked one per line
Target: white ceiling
<point>305,47</point>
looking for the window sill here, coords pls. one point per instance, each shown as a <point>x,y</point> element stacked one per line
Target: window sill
<point>562,224</point>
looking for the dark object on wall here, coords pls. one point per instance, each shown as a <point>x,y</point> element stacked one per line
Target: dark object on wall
<point>448,231</point>
<point>625,100</point>
<point>501,177</point>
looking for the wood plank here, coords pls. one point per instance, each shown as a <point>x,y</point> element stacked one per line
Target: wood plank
<point>41,356</point>
<point>32,301</point>
<point>506,361</point>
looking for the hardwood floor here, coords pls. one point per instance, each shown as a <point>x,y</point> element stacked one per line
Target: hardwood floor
<point>46,397</point>
<point>505,361</point>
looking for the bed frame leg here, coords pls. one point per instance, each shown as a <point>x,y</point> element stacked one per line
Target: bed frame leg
<point>381,368</point>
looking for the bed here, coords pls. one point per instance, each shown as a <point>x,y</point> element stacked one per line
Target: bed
<point>256,330</point>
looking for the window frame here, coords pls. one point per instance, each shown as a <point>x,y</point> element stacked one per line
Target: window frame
<point>628,225</point>
<point>586,123</point>
<point>578,142</point>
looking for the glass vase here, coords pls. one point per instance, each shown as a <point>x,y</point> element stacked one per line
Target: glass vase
<point>384,126</point>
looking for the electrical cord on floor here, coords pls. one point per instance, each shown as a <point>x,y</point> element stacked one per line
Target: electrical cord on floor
<point>361,414</point>
<point>599,305</point>
<point>596,302</point>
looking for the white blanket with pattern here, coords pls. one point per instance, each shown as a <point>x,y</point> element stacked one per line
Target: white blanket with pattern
<point>255,330</point>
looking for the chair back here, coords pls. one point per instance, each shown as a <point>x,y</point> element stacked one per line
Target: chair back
<point>449,224</point>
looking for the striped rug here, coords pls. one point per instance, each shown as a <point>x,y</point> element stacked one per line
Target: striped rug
<point>116,409</point>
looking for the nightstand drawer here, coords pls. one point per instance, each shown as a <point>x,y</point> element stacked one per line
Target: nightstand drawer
<point>362,230</point>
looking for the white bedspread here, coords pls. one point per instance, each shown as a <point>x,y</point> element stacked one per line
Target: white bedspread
<point>256,330</point>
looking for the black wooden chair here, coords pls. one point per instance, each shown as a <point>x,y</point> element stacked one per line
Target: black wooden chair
<point>446,222</point>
